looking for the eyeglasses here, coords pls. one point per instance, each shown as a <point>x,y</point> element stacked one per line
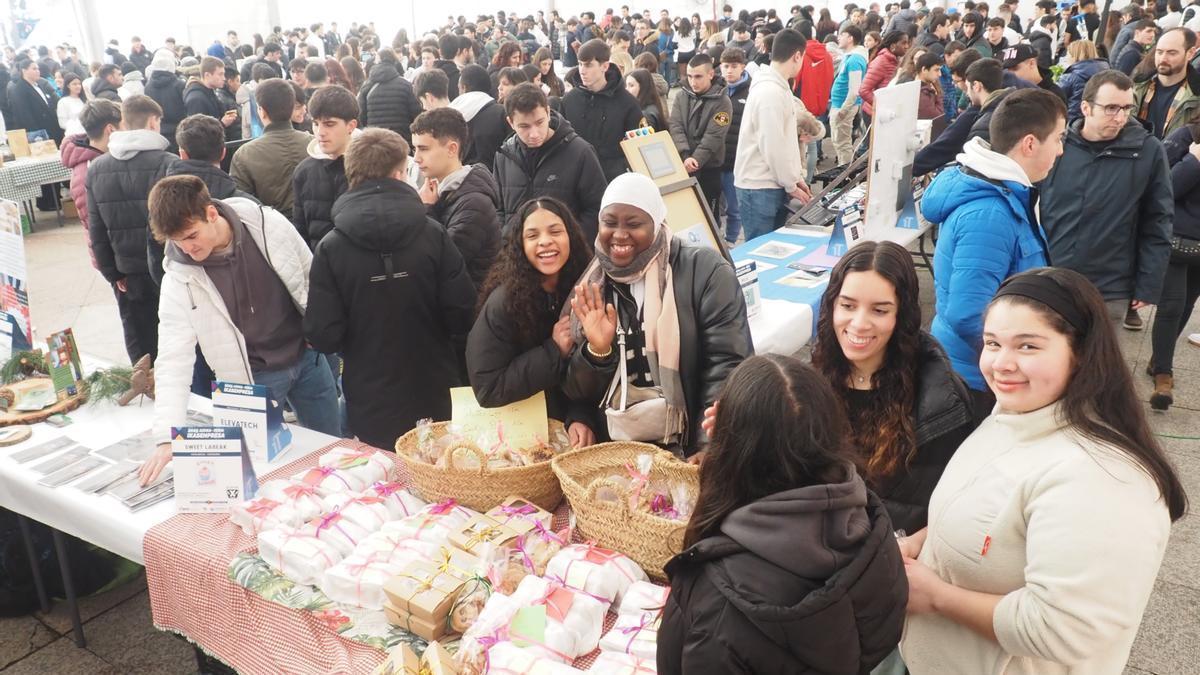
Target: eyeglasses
<point>1113,110</point>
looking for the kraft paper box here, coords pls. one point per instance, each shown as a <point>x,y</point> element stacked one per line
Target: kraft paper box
<point>18,142</point>
<point>519,515</point>
<point>430,630</point>
<point>424,591</point>
<point>480,530</point>
<point>438,661</point>
<point>401,660</point>
<point>43,149</point>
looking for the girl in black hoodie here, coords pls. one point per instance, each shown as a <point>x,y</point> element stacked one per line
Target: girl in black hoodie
<point>790,565</point>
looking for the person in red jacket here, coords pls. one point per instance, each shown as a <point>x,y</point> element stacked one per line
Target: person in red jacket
<point>100,117</point>
<point>812,87</point>
<point>882,68</point>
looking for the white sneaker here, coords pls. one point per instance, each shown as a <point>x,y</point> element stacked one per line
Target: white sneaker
<point>1194,338</point>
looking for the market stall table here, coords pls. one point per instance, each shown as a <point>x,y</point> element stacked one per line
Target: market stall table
<point>21,180</point>
<point>787,319</point>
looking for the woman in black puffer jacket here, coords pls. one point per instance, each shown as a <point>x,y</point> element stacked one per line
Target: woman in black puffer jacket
<point>387,99</point>
<point>1181,285</point>
<point>789,563</point>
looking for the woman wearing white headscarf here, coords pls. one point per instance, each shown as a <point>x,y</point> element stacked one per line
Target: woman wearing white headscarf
<point>659,323</point>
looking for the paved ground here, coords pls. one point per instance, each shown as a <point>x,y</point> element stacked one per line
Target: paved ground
<point>66,291</point>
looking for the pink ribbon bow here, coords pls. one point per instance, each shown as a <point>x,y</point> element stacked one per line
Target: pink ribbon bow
<point>443,508</point>
<point>262,507</point>
<point>634,631</point>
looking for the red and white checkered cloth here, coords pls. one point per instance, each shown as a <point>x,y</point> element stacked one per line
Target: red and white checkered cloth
<point>187,570</point>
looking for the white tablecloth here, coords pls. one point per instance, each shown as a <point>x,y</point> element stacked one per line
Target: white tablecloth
<point>99,519</point>
<point>781,327</point>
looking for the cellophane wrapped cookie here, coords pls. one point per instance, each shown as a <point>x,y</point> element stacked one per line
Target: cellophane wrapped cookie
<point>489,628</point>
<point>263,513</point>
<point>469,604</point>
<point>300,496</point>
<point>340,533</point>
<point>505,658</point>
<point>573,620</point>
<point>613,663</point>
<point>300,557</point>
<point>633,634</point>
<point>642,597</point>
<point>595,571</point>
<point>400,502</point>
<point>366,510</point>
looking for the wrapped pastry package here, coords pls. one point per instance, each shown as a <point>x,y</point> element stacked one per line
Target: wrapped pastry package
<point>481,530</point>
<point>367,465</point>
<point>366,510</point>
<point>613,663</point>
<point>263,513</point>
<point>336,530</point>
<point>433,524</point>
<point>299,557</point>
<point>573,620</point>
<point>642,597</point>
<point>328,480</point>
<point>505,658</point>
<point>303,498</point>
<point>400,502</point>
<point>593,570</point>
<point>386,545</point>
<point>489,628</point>
<point>359,581</point>
<point>635,635</point>
<point>520,516</point>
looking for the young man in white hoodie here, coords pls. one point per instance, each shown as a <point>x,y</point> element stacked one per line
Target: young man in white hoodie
<point>770,167</point>
<point>236,284</point>
<point>118,184</point>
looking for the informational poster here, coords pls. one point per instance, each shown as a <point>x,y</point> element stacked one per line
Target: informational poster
<point>250,407</point>
<point>212,469</point>
<point>521,425</point>
<point>16,327</point>
<point>66,370</point>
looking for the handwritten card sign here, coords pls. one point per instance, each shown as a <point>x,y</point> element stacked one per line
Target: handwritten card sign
<point>524,423</point>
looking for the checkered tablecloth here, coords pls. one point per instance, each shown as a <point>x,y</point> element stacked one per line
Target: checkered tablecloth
<point>187,566</point>
<point>22,179</point>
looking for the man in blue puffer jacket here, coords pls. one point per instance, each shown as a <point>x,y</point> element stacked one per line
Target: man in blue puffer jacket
<point>988,232</point>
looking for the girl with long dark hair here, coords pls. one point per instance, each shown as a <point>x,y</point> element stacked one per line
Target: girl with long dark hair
<point>354,73</point>
<point>640,83</point>
<point>518,345</point>
<point>907,408</point>
<point>790,565</point>
<point>544,60</point>
<point>1048,527</point>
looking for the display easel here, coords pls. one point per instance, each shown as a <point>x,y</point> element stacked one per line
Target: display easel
<point>895,137</point>
<point>688,215</point>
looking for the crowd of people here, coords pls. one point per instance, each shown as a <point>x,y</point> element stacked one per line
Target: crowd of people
<point>361,225</point>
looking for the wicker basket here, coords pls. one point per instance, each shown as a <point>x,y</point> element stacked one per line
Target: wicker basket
<point>479,488</point>
<point>648,539</point>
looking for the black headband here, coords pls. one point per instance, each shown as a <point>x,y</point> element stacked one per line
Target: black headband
<point>1050,293</point>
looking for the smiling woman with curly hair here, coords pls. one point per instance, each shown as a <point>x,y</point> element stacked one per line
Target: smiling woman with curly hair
<point>518,345</point>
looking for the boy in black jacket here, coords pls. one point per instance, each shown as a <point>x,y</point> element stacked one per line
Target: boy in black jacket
<point>321,179</point>
<point>599,108</point>
<point>388,290</point>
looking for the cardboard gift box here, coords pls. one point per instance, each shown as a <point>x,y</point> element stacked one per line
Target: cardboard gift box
<point>480,530</point>
<point>520,515</point>
<point>401,660</point>
<point>43,149</point>
<point>438,661</point>
<point>424,591</point>
<point>427,629</point>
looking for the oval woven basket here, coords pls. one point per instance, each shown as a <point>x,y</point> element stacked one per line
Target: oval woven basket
<point>648,539</point>
<point>479,488</point>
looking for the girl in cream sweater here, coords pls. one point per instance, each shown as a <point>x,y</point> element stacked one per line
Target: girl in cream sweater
<point>1047,528</point>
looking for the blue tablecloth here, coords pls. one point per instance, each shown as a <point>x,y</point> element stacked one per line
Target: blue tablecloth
<point>768,278</point>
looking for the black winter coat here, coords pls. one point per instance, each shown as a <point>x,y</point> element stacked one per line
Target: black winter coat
<point>488,130</point>
<point>141,59</point>
<point>316,185</point>
<point>602,118</point>
<point>945,148</point>
<point>387,100</point>
<point>1119,236</point>
<point>389,291</point>
<point>451,70</point>
<point>981,127</point>
<point>942,419</point>
<point>167,91</point>
<point>564,167</point>
<point>714,337</point>
<point>806,581</point>
<point>737,96</point>
<point>228,101</point>
<point>1044,44</point>
<point>1185,182</point>
<point>29,111</point>
<point>200,100</point>
<point>118,218</point>
<point>247,72</point>
<point>102,88</point>
<point>505,369</point>
<point>470,213</point>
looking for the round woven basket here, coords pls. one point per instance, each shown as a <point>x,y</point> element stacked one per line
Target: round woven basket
<point>648,539</point>
<point>478,488</point>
